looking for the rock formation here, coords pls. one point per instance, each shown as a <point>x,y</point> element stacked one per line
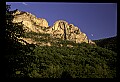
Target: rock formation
<point>68,32</point>
<point>31,23</point>
<point>60,29</point>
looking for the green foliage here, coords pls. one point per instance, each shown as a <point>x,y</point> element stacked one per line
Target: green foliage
<point>40,37</point>
<point>80,61</point>
<point>14,50</point>
<point>64,62</point>
<point>108,43</point>
<point>12,32</point>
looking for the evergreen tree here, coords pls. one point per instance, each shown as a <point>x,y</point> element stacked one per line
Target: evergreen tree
<point>12,31</point>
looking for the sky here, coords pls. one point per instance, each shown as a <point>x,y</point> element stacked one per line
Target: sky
<point>96,20</point>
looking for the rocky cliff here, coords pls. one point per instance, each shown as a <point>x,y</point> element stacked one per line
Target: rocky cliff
<point>60,29</point>
<point>67,31</point>
<point>31,23</point>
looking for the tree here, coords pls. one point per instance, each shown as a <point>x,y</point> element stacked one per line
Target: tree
<point>12,31</point>
<point>12,45</point>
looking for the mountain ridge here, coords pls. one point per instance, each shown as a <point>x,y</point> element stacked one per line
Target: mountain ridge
<point>60,29</point>
<point>57,58</point>
<point>108,43</point>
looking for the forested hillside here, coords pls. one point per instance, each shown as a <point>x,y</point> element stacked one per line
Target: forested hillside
<point>108,43</point>
<point>80,60</point>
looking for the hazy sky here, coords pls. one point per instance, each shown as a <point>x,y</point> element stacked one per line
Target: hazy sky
<point>96,20</point>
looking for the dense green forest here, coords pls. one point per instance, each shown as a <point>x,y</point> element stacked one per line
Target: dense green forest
<point>32,61</point>
<point>108,43</point>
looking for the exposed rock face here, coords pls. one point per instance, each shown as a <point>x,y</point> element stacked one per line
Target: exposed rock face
<point>67,31</point>
<point>61,29</point>
<point>31,23</point>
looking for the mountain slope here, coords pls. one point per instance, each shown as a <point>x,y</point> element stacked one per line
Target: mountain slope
<point>82,61</point>
<point>108,43</point>
<point>34,57</point>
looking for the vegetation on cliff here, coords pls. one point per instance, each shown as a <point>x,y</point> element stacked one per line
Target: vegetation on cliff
<point>82,60</point>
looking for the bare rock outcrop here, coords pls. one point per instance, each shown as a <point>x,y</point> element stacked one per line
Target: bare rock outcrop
<point>60,29</point>
<point>30,22</point>
<point>67,31</point>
